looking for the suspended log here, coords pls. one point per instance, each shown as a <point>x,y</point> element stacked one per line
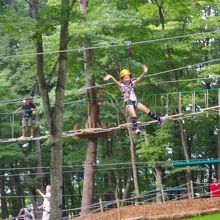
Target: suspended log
<point>92,132</point>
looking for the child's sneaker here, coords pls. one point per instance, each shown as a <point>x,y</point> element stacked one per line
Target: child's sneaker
<point>137,131</point>
<point>163,119</point>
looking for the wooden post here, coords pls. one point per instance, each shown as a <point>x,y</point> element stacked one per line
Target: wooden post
<point>12,125</point>
<point>167,104</point>
<point>101,205</point>
<point>119,210</point>
<point>180,102</point>
<point>193,102</point>
<point>192,190</point>
<point>207,101</point>
<point>133,161</point>
<point>219,101</point>
<point>162,193</point>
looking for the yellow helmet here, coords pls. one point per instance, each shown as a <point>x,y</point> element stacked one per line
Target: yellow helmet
<point>125,72</point>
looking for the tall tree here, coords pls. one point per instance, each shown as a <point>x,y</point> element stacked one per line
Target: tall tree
<point>54,115</point>
<point>93,111</point>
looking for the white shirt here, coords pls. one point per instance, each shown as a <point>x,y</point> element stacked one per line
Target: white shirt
<point>46,203</point>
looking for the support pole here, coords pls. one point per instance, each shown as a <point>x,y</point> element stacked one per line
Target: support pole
<point>162,193</point>
<point>101,205</point>
<point>193,102</point>
<point>192,190</point>
<point>180,102</point>
<point>13,126</point>
<point>119,209</point>
<point>167,104</point>
<point>207,101</point>
<point>219,101</point>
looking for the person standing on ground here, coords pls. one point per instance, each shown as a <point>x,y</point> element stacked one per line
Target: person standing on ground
<point>46,204</point>
<point>215,188</point>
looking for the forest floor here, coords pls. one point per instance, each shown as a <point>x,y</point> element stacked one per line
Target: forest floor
<point>160,211</point>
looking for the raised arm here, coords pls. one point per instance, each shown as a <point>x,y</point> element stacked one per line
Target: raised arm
<point>108,77</point>
<point>38,191</point>
<point>145,69</point>
<point>18,109</point>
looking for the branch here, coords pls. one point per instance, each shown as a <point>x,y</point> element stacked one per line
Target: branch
<point>29,3</point>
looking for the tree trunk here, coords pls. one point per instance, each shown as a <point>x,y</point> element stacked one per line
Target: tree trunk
<point>161,13</point>
<point>40,176</point>
<point>54,116</point>
<point>56,126</point>
<point>133,161</point>
<point>89,173</point>
<point>4,207</point>
<point>38,145</point>
<point>93,115</point>
<point>188,171</point>
<point>182,134</point>
<point>127,186</point>
<point>159,183</point>
<point>218,147</point>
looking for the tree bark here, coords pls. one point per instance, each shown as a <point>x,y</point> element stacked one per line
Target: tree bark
<point>133,161</point>
<point>160,12</point>
<point>54,115</point>
<point>127,186</point>
<point>182,133</point>
<point>218,147</point>
<point>93,115</point>
<point>159,182</point>
<point>4,207</point>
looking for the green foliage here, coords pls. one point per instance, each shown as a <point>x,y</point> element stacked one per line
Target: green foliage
<point>205,217</point>
<point>157,146</point>
<point>108,23</point>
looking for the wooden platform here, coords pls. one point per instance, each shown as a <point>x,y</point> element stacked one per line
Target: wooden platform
<point>23,139</point>
<point>90,133</point>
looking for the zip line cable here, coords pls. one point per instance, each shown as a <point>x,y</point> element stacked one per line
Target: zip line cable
<point>158,73</point>
<point>153,94</point>
<point>107,84</point>
<point>84,100</point>
<point>174,81</point>
<point>12,101</point>
<point>105,164</point>
<point>143,84</point>
<point>3,56</point>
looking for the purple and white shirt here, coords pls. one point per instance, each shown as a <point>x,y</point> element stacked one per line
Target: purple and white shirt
<point>128,91</point>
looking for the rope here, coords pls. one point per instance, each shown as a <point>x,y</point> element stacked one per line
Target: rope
<point>3,56</point>
<point>13,125</point>
<point>156,74</point>
<point>183,92</point>
<point>108,84</point>
<point>98,130</point>
<point>99,165</point>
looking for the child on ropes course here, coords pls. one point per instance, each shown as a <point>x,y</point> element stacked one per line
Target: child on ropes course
<point>27,119</point>
<point>126,86</point>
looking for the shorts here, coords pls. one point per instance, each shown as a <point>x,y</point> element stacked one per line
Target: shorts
<point>132,103</point>
<point>27,122</point>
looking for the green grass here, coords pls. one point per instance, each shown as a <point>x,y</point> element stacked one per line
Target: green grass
<point>205,217</point>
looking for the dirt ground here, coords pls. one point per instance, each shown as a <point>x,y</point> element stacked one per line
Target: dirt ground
<point>160,211</point>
